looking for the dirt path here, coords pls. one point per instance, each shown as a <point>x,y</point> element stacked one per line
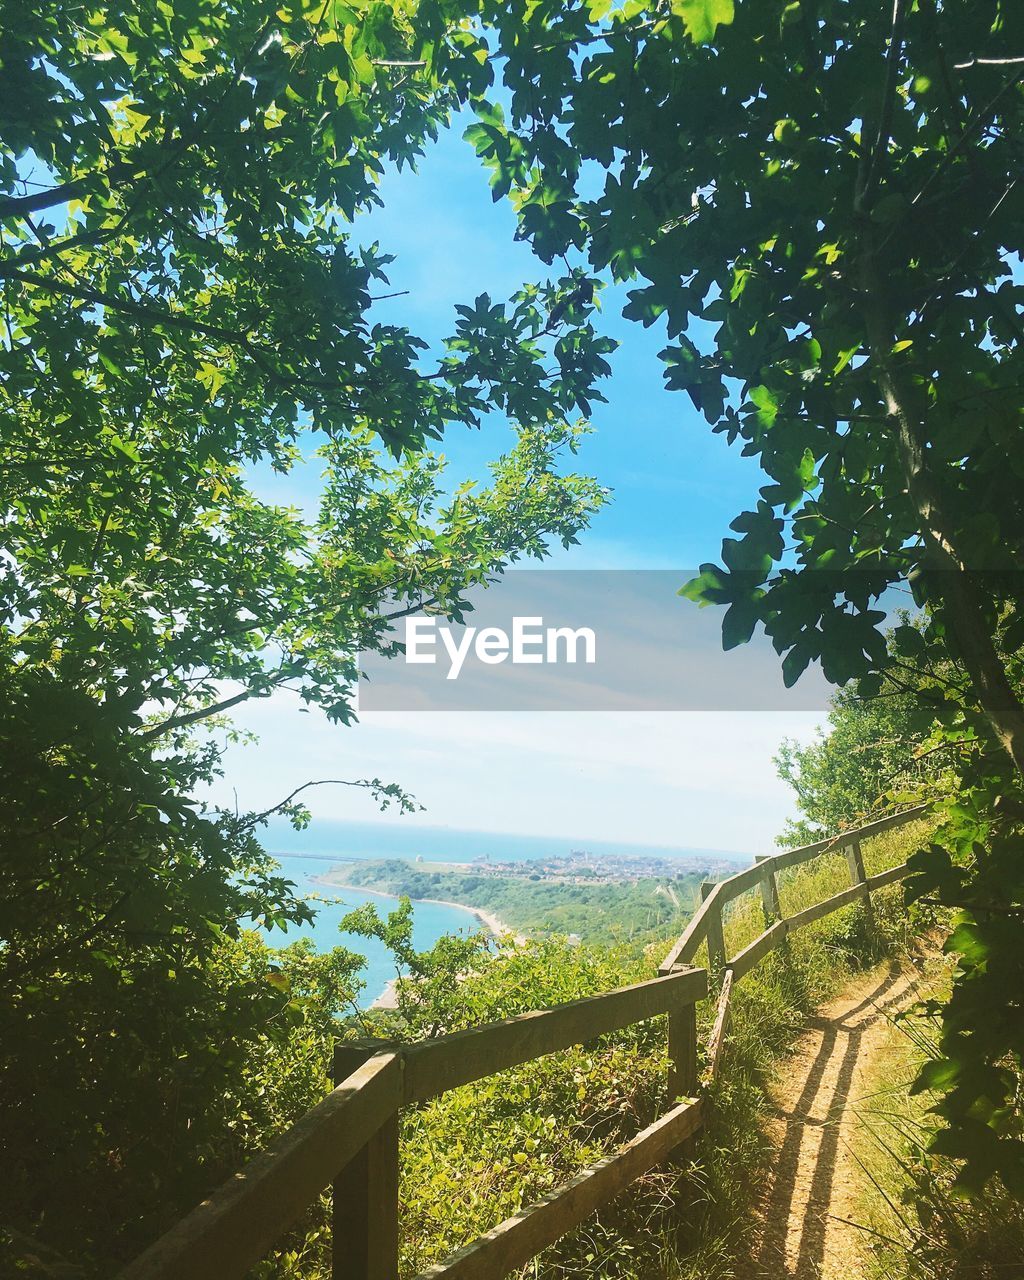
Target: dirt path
<point>806,1230</point>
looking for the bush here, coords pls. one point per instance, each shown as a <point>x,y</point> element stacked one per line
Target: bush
<point>480,1153</point>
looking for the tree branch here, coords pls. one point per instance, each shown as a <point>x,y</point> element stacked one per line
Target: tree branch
<point>20,206</point>
<point>364,784</point>
<point>190,717</point>
<point>869,177</point>
<point>988,62</point>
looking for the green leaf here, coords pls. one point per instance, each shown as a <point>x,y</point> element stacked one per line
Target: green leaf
<point>739,622</point>
<point>767,405</point>
<point>703,17</point>
<point>795,663</point>
<point>709,587</point>
<point>936,1074</point>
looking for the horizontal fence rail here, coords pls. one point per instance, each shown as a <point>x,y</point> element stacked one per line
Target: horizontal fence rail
<point>709,914</point>
<point>707,924</point>
<point>435,1066</point>
<point>518,1239</point>
<point>350,1141</point>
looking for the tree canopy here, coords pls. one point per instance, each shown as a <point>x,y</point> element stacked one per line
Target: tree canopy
<point>188,308</point>
<point>819,203</point>
<point>185,296</point>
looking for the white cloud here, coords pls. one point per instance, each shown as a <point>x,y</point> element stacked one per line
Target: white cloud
<point>691,779</point>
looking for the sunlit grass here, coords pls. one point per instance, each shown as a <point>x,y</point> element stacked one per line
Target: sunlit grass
<point>481,1152</point>
<point>916,1227</point>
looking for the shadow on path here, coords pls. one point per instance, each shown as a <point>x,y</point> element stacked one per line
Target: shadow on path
<point>817,1088</point>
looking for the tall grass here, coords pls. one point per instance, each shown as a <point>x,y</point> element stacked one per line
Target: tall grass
<point>918,1227</point>
<point>479,1153</point>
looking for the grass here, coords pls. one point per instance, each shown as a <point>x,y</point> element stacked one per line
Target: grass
<point>918,1226</point>
<point>477,1154</point>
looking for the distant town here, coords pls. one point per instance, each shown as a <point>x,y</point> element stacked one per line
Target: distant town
<point>578,867</point>
<point>583,867</point>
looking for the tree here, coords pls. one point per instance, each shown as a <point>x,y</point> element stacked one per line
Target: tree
<point>183,298</point>
<point>868,750</point>
<point>820,202</point>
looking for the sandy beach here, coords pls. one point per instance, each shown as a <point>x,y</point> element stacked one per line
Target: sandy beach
<point>388,998</point>
<point>494,925</point>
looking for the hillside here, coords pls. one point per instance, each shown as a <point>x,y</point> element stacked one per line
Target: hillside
<point>537,903</point>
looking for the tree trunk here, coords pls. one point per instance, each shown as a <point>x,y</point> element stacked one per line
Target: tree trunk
<point>964,609</point>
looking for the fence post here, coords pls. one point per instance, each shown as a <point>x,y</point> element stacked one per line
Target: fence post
<point>716,936</point>
<point>364,1232</point>
<point>855,861</point>
<point>770,893</point>
<point>682,1053</point>
<point>682,1065</point>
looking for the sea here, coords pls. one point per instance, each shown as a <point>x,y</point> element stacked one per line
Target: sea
<point>431,920</point>
<point>396,839</point>
<point>306,855</point>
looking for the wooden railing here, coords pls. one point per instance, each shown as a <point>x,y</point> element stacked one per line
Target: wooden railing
<point>350,1141</point>
<point>708,922</point>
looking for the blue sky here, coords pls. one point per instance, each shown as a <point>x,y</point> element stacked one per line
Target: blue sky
<point>676,484</point>
<point>702,779</point>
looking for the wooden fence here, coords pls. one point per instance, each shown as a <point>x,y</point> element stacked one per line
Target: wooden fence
<point>349,1142</point>
<point>708,923</point>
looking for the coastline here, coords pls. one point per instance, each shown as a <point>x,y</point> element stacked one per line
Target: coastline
<point>494,925</point>
<point>388,998</point>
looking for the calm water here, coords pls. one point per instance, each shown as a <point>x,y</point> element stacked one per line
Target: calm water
<point>430,922</point>
<point>444,844</point>
<point>304,855</point>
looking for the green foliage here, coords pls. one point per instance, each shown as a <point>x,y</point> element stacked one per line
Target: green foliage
<point>868,751</point>
<point>762,177</point>
<point>774,188</point>
<point>595,912</point>
<point>478,1154</point>
<point>920,1225</point>
<point>135,1007</point>
<point>184,297</point>
<point>981,1045</point>
<point>187,306</point>
<point>701,17</point>
<point>428,982</point>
